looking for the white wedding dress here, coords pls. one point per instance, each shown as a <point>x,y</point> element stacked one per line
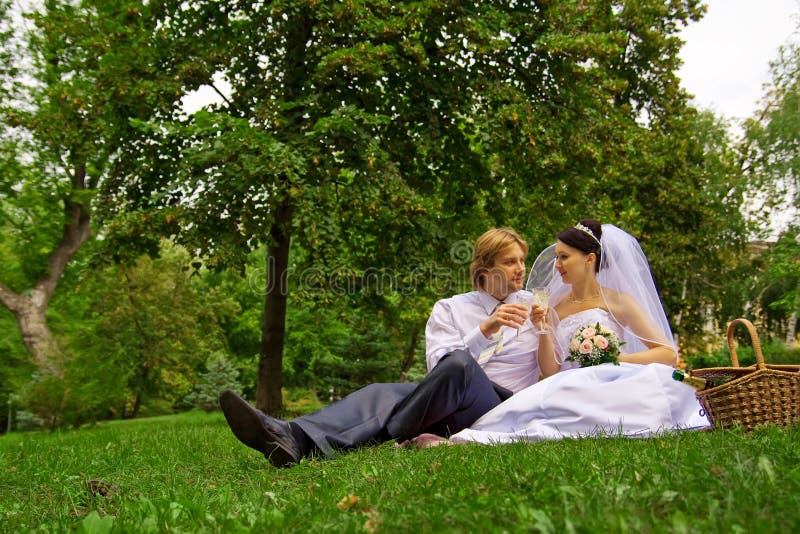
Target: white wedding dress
<point>604,400</point>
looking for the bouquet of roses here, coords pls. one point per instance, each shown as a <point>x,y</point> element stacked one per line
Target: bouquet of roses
<point>593,345</point>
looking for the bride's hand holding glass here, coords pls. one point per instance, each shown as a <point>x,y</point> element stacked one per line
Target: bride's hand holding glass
<point>541,299</point>
<point>539,318</point>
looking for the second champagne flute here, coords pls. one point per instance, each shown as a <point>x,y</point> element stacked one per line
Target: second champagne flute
<point>541,297</point>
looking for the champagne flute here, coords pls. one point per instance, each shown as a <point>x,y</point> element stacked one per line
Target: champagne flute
<point>526,298</point>
<point>541,296</point>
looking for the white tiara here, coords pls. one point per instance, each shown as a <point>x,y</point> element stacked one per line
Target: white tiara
<point>587,230</point>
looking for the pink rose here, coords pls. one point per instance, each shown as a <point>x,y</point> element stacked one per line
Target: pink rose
<point>588,333</point>
<point>601,342</point>
<point>586,346</point>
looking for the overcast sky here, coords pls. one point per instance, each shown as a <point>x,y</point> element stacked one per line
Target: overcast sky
<point>727,54</point>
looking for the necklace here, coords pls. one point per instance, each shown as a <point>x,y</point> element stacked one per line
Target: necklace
<point>572,298</point>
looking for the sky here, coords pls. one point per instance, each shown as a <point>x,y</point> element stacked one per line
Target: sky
<point>726,55</point>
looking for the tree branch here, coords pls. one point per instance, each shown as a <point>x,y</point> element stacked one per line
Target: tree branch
<point>77,230</point>
<point>214,87</point>
<point>8,298</point>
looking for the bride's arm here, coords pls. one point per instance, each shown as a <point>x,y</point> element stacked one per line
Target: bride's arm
<point>655,354</point>
<point>659,349</point>
<point>548,365</point>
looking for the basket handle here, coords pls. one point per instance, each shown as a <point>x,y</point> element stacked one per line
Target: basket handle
<point>753,336</point>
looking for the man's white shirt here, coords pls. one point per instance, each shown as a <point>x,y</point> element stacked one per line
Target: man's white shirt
<point>455,323</point>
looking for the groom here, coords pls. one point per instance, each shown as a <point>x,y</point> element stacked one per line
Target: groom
<point>480,349</point>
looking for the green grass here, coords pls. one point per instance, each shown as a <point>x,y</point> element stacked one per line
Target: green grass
<point>187,473</point>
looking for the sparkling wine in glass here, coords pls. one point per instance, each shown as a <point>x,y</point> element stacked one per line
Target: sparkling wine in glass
<point>525,298</point>
<point>541,296</point>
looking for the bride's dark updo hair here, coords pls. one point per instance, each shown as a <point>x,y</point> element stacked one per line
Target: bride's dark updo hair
<point>585,236</point>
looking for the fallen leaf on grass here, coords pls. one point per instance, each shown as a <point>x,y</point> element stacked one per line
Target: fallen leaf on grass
<point>347,502</point>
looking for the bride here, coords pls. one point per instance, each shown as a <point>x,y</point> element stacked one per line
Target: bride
<point>597,274</point>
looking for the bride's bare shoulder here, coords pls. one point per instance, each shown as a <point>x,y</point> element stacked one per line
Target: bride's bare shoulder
<point>619,301</point>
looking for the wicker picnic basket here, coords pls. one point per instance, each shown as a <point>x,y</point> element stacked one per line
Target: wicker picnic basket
<point>759,394</point>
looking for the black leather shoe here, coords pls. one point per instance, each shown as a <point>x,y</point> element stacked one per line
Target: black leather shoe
<point>270,436</point>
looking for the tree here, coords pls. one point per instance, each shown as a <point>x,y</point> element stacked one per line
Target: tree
<point>302,146</point>
<point>695,232</point>
<point>377,134</point>
<point>604,129</point>
<point>64,118</point>
<point>153,322</point>
<point>220,374</point>
<point>770,159</point>
<point>777,292</point>
<point>770,150</point>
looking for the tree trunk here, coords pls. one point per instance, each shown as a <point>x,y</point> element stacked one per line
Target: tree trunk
<point>30,307</point>
<point>791,330</point>
<point>137,404</point>
<point>273,325</point>
<point>30,311</point>
<point>31,317</point>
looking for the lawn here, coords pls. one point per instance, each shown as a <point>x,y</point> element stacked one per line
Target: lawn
<point>187,473</point>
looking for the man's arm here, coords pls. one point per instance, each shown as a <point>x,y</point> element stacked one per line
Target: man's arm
<point>442,336</point>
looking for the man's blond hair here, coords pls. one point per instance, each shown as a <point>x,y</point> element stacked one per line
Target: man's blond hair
<point>487,247</point>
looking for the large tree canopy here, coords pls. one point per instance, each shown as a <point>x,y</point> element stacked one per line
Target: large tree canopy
<point>375,133</point>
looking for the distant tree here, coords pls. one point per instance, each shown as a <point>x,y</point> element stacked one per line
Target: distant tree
<point>779,289</point>
<point>220,374</point>
<point>156,323</point>
<point>692,226</point>
<point>770,158</point>
<point>770,150</point>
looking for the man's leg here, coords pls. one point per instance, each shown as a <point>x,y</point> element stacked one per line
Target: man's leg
<point>357,419</point>
<point>451,397</point>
